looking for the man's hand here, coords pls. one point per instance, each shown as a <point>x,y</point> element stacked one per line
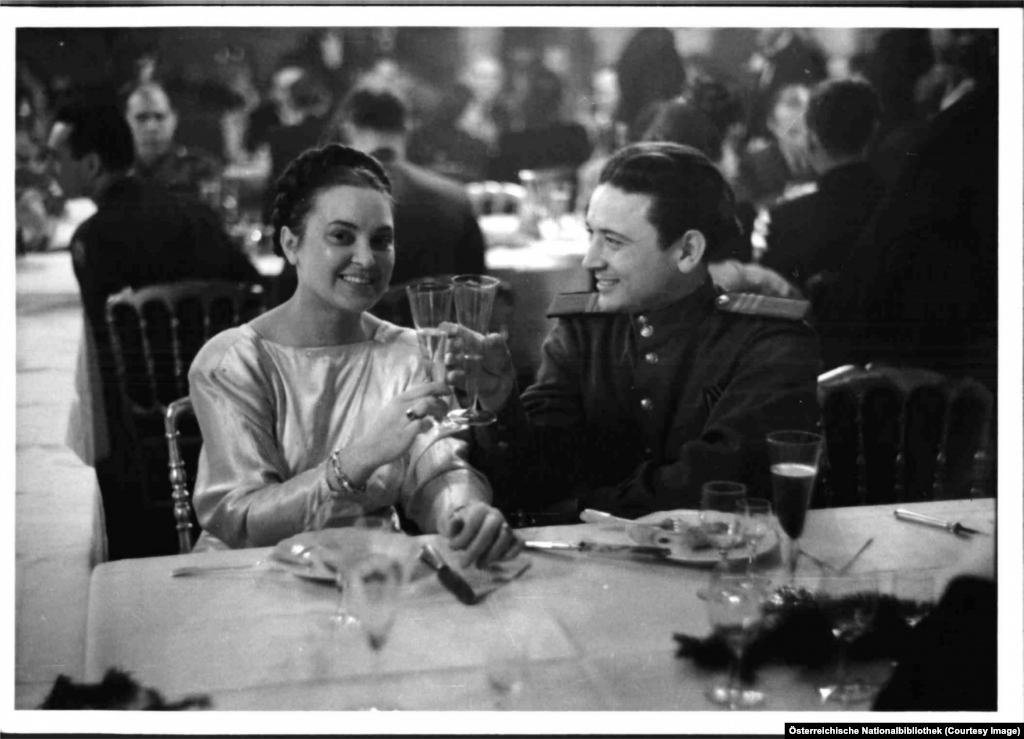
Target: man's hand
<point>497,375</point>
<point>480,532</point>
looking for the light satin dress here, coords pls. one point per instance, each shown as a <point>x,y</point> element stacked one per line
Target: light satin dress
<point>271,415</point>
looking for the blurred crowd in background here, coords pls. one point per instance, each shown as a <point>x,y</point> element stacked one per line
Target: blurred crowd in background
<point>220,113</point>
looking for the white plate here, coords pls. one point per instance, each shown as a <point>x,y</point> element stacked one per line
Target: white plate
<point>330,550</point>
<point>652,535</point>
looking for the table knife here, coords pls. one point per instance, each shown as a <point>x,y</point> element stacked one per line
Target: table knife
<point>448,577</point>
<point>595,547</point>
<point>954,527</point>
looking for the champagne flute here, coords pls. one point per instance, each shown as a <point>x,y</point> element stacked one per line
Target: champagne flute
<point>734,610</point>
<point>474,299</point>
<point>367,525</point>
<point>915,593</point>
<point>719,519</point>
<point>430,302</point>
<point>755,523</point>
<point>850,603</point>
<point>794,457</point>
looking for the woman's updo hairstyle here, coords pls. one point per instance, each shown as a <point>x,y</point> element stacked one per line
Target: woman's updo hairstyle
<point>319,169</point>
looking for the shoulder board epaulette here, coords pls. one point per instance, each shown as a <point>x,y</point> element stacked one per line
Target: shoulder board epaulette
<point>568,304</point>
<point>752,304</point>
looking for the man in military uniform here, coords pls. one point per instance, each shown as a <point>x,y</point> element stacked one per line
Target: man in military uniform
<point>656,382</point>
<point>158,158</point>
<point>140,235</point>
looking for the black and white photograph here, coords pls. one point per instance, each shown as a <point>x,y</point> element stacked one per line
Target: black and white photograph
<point>403,369</point>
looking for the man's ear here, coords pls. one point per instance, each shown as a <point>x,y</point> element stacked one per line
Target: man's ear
<point>92,166</point>
<point>289,245</point>
<point>689,250</point>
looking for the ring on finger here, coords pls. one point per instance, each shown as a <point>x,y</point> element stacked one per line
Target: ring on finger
<point>412,415</point>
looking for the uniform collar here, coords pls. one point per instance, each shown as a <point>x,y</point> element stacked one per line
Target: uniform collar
<point>686,311</point>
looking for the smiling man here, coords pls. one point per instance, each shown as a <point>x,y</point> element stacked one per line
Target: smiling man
<point>658,381</point>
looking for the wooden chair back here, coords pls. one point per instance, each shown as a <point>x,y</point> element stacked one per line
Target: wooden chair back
<point>898,435</point>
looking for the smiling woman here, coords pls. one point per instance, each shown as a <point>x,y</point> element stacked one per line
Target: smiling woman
<point>316,413</point>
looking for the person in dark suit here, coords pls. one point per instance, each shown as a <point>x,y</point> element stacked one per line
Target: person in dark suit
<point>813,233</point>
<point>436,232</point>
<point>141,234</point>
<point>920,287</point>
<point>787,56</point>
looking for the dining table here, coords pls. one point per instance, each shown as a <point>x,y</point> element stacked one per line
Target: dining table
<point>584,631</point>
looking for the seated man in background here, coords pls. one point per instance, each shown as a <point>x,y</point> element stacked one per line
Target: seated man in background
<point>140,235</point>
<point>657,382</point>
<point>436,231</point>
<point>812,234</point>
<point>181,169</point>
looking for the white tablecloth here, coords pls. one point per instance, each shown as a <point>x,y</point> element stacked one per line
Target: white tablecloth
<point>596,632</point>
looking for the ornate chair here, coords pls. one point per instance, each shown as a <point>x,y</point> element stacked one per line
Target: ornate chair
<point>180,487</point>
<point>155,333</point>
<point>903,434</point>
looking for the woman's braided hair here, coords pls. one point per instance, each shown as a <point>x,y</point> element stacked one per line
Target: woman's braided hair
<point>315,170</point>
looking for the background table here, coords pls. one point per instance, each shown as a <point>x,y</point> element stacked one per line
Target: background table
<point>596,631</point>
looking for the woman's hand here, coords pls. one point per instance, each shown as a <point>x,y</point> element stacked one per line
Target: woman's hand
<point>480,532</point>
<point>393,429</point>
<point>497,375</point>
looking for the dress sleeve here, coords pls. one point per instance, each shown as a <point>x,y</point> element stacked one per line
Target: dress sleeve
<point>242,494</point>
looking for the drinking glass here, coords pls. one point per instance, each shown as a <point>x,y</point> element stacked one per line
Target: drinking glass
<point>755,523</point>
<point>850,603</point>
<point>368,525</point>
<point>734,609</point>
<point>474,298</point>
<point>719,519</point>
<point>794,457</point>
<point>915,591</point>
<point>375,582</point>
<point>430,302</point>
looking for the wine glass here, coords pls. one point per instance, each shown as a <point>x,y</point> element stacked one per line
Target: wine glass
<point>755,523</point>
<point>375,583</point>
<point>849,603</point>
<point>915,593</point>
<point>794,457</point>
<point>474,298</point>
<point>719,519</point>
<point>734,610</point>
<point>364,527</point>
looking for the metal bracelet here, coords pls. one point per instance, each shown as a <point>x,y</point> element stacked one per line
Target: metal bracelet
<point>344,482</point>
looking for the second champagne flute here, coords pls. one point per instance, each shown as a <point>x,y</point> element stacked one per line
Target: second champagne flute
<point>474,299</point>
<point>430,303</point>
<point>794,457</point>
<point>719,519</point>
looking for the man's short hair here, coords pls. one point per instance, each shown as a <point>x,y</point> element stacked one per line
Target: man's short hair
<point>843,115</point>
<point>686,189</point>
<point>375,110</point>
<point>98,128</point>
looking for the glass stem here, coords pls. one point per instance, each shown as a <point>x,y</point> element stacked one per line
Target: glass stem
<point>734,673</point>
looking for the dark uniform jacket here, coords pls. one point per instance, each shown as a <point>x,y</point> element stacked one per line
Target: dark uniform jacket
<point>632,413</point>
<point>182,170</point>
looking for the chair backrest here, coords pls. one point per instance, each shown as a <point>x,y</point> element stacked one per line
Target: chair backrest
<point>180,494</point>
<point>157,331</point>
<point>904,434</point>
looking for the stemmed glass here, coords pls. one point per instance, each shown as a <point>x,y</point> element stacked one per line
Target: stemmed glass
<point>365,527</point>
<point>375,583</point>
<point>734,609</point>
<point>430,302</point>
<point>850,603</point>
<point>915,591</point>
<point>474,299</point>
<point>794,457</point>
<point>755,523</point>
<point>719,519</point>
